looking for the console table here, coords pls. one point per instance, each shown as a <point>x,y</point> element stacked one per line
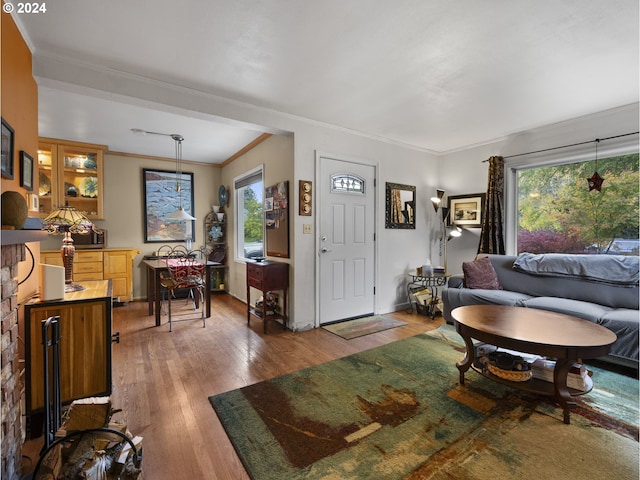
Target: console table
<point>267,276</point>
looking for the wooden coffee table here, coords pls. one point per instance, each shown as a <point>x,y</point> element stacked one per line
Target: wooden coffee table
<point>567,339</point>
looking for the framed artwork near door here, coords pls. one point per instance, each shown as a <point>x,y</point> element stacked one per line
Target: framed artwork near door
<point>401,206</point>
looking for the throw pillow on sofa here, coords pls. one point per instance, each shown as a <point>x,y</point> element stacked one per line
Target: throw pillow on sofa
<point>480,274</point>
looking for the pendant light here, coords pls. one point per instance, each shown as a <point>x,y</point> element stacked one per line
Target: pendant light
<point>180,214</point>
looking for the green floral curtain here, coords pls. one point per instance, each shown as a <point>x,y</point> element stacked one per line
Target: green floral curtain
<point>492,233</point>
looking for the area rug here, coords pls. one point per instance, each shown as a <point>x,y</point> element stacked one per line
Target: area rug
<point>398,412</point>
<point>363,326</point>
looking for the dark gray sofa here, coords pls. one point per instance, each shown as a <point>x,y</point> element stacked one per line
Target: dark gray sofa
<point>614,306</point>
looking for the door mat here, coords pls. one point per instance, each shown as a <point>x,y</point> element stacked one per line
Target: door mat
<point>363,326</point>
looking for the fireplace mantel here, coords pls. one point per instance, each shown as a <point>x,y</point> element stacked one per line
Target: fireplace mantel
<point>14,237</point>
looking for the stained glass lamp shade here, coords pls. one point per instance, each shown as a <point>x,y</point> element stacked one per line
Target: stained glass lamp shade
<point>65,221</point>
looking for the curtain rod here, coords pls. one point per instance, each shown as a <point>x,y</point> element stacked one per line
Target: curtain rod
<point>567,146</point>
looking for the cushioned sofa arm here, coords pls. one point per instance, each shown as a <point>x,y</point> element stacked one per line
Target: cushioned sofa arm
<point>456,281</point>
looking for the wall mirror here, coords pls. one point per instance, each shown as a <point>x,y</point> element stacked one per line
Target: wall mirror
<point>401,206</point>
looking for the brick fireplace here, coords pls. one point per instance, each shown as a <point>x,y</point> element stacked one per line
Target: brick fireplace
<point>13,429</point>
<point>12,393</point>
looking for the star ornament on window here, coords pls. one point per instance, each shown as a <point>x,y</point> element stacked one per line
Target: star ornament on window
<point>595,182</point>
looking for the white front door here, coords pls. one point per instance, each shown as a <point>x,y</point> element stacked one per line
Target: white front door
<point>346,237</point>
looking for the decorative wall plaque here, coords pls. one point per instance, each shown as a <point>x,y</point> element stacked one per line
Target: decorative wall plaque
<point>306,191</point>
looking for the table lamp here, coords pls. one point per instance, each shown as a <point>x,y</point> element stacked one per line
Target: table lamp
<point>65,221</point>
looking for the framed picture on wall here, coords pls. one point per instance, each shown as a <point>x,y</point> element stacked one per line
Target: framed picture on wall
<point>161,199</point>
<point>6,168</point>
<point>466,210</point>
<point>26,170</point>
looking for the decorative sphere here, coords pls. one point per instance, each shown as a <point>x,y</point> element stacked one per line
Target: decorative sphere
<point>14,209</point>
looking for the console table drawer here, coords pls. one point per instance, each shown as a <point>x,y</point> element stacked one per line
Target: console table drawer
<point>255,272</point>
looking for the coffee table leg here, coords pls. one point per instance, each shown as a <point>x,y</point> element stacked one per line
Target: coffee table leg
<point>563,396</point>
<point>466,362</point>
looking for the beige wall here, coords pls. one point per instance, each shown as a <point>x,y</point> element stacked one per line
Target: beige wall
<point>276,154</point>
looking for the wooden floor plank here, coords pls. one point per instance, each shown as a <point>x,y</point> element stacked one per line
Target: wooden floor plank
<point>162,380</point>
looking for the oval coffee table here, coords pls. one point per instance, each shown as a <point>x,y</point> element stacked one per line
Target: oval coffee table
<point>567,339</point>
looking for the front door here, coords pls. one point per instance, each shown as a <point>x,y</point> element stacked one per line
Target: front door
<point>346,237</point>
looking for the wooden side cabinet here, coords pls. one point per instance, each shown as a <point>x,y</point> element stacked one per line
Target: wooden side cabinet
<point>267,277</point>
<point>118,267</point>
<point>85,345</point>
<point>115,264</point>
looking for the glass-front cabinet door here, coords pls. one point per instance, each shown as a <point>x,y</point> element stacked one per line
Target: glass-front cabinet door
<point>71,173</point>
<point>47,178</point>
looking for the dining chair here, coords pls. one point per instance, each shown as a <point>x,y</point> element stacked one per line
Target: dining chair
<point>185,270</point>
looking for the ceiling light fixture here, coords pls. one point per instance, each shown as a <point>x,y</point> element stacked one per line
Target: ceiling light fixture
<point>180,214</point>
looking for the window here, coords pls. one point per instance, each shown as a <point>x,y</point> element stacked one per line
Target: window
<point>556,211</point>
<point>345,183</point>
<point>249,225</point>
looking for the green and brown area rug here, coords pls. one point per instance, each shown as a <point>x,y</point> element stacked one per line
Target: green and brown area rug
<point>398,412</point>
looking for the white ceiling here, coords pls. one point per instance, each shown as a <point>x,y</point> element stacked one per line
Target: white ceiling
<point>436,75</point>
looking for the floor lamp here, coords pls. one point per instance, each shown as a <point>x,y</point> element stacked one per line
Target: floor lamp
<point>445,235</point>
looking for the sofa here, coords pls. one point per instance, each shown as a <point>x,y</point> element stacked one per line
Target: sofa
<point>599,288</point>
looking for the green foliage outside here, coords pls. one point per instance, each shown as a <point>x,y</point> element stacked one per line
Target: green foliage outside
<point>558,213</point>
<point>252,216</point>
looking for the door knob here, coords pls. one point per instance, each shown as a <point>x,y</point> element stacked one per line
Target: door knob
<point>324,250</point>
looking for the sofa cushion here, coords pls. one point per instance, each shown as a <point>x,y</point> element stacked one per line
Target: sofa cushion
<point>480,274</point>
<point>575,308</point>
<point>625,324</point>
<point>542,286</point>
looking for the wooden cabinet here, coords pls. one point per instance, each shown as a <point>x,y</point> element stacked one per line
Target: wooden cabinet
<point>85,346</point>
<point>118,267</point>
<point>267,277</point>
<point>115,264</point>
<point>215,237</point>
<point>70,172</point>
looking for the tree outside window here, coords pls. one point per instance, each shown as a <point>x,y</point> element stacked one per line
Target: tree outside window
<point>249,225</point>
<point>558,214</point>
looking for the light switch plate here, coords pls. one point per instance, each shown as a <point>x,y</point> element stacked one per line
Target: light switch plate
<point>306,228</point>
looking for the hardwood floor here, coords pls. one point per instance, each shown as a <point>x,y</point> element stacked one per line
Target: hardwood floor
<point>162,380</point>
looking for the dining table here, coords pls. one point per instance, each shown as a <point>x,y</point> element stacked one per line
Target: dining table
<point>155,268</point>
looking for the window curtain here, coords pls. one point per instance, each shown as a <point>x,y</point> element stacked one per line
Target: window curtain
<point>492,233</point>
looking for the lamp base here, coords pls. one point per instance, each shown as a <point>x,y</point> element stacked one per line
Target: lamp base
<point>73,287</point>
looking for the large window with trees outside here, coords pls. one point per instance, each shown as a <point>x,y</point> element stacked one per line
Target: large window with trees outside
<point>249,227</point>
<point>558,213</point>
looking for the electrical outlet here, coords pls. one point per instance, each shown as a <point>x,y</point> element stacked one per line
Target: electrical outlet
<point>306,228</point>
